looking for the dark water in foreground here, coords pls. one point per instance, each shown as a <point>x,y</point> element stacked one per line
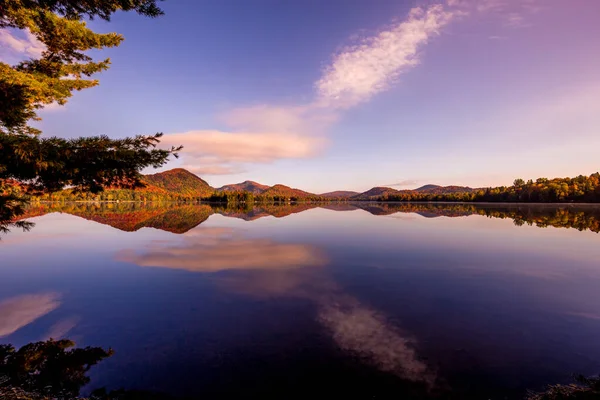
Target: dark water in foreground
<point>368,301</point>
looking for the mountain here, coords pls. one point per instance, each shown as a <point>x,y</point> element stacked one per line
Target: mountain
<point>436,189</point>
<point>247,186</point>
<point>427,187</point>
<point>339,194</point>
<point>375,192</point>
<point>286,191</point>
<point>181,182</point>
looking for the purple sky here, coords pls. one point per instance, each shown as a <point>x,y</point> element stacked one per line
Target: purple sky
<point>349,95</point>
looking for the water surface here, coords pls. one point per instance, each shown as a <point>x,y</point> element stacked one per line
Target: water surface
<point>365,300</point>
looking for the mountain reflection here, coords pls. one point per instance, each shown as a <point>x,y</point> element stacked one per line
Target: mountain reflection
<point>180,218</point>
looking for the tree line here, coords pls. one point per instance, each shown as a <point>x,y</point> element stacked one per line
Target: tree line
<point>581,189</point>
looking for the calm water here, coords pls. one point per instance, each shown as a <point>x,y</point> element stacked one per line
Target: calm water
<point>367,301</point>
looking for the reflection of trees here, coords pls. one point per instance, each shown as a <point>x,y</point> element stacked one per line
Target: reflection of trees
<point>180,218</point>
<point>129,217</point>
<point>250,213</point>
<point>55,370</point>
<point>583,389</point>
<point>11,206</point>
<point>558,216</point>
<point>52,368</point>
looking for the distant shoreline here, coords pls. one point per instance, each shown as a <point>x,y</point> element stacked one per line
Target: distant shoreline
<point>319,202</point>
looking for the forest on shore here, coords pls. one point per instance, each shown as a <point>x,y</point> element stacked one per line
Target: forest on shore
<point>181,185</point>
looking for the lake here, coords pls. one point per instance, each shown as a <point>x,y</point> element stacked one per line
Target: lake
<point>300,301</point>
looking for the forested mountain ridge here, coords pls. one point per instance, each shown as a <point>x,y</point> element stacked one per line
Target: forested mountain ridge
<point>441,189</point>
<point>180,184</point>
<point>286,191</point>
<point>246,186</point>
<point>340,194</point>
<point>375,193</point>
<point>180,181</point>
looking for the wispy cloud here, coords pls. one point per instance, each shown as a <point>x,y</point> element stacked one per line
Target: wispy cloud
<point>16,45</point>
<point>218,152</point>
<point>408,182</point>
<point>513,13</point>
<point>516,20</point>
<point>359,72</point>
<point>266,133</point>
<point>17,312</point>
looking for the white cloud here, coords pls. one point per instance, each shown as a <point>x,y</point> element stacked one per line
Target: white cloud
<point>266,133</point>
<point>516,20</point>
<point>359,72</point>
<point>17,312</point>
<point>212,148</point>
<point>305,119</point>
<point>200,168</point>
<point>407,182</point>
<point>17,47</point>
<point>513,13</point>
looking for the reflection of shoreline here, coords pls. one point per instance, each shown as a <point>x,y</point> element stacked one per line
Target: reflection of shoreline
<point>180,218</point>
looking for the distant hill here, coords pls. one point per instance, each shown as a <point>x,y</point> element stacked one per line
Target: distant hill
<point>178,184</point>
<point>375,192</point>
<point>286,191</point>
<point>247,186</point>
<point>427,187</point>
<point>436,189</point>
<point>181,182</point>
<point>340,194</point>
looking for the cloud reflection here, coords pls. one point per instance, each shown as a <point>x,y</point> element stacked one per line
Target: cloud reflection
<point>366,333</point>
<point>355,328</point>
<point>19,311</point>
<point>60,329</point>
<point>267,269</point>
<point>211,250</point>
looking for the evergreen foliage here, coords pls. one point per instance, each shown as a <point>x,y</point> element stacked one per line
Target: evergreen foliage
<point>35,164</point>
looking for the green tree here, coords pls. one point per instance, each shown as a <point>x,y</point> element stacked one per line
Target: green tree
<point>32,163</point>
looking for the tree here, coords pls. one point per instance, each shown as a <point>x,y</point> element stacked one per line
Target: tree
<point>50,368</point>
<point>32,163</point>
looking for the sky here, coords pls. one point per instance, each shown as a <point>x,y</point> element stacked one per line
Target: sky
<point>348,95</point>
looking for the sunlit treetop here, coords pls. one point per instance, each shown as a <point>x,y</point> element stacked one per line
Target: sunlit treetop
<point>63,66</point>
